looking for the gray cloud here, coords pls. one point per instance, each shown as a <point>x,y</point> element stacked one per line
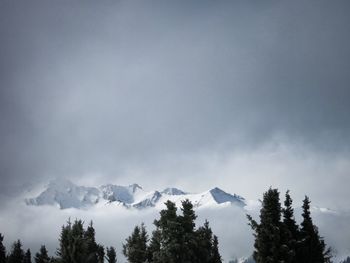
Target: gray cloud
<point>113,89</point>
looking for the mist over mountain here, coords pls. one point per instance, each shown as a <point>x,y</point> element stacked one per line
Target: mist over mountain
<point>65,194</point>
<point>141,102</point>
<point>115,209</point>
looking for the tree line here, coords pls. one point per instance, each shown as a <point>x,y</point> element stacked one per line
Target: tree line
<point>176,239</point>
<point>278,238</point>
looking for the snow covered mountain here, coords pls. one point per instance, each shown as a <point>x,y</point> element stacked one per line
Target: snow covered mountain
<point>65,194</point>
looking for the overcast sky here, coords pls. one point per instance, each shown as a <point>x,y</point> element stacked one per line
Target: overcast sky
<point>195,94</point>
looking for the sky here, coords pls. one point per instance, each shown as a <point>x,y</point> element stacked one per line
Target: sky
<point>237,94</point>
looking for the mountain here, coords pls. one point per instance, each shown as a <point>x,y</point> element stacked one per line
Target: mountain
<point>65,194</point>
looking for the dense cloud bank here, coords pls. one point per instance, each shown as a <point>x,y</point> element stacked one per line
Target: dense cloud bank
<point>105,88</point>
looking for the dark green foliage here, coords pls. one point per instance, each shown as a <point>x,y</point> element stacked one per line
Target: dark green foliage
<point>91,245</point>
<point>312,246</point>
<point>176,239</point>
<point>215,258</point>
<point>111,255</point>
<point>283,241</point>
<point>135,248</point>
<point>268,244</point>
<point>153,250</point>
<point>205,244</point>
<point>42,256</point>
<point>188,242</point>
<point>73,248</point>
<point>27,257</point>
<point>77,245</point>
<point>290,231</point>
<point>100,254</point>
<point>171,232</point>
<point>17,254</point>
<point>2,250</point>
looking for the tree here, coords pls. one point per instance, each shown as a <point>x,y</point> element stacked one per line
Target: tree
<point>17,254</point>
<point>268,244</point>
<point>111,255</point>
<point>100,253</point>
<point>73,245</point>
<point>27,257</point>
<point>42,256</point>
<point>312,247</point>
<point>283,241</point>
<point>171,234</point>
<point>176,239</point>
<point>91,245</point>
<point>215,258</point>
<point>205,245</point>
<point>135,248</point>
<point>290,230</point>
<point>188,241</point>
<point>2,250</point>
<point>153,250</point>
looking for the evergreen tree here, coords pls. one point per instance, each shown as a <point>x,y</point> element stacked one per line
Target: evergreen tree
<point>73,245</point>
<point>100,254</point>
<point>188,243</point>
<point>111,255</point>
<point>42,256</point>
<point>312,246</point>
<point>268,245</point>
<point>205,245</point>
<point>27,257</point>
<point>153,250</point>
<point>290,231</point>
<point>91,245</point>
<point>2,250</point>
<point>135,248</point>
<point>215,258</point>
<point>171,232</point>
<point>17,253</point>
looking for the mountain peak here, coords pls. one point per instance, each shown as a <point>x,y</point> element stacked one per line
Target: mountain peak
<point>220,196</point>
<point>134,187</point>
<point>173,191</point>
<point>65,194</point>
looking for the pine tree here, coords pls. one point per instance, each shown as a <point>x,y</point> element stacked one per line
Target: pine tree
<point>2,250</point>
<point>91,245</point>
<point>100,254</point>
<point>73,245</point>
<point>27,257</point>
<point>171,232</point>
<point>312,246</point>
<point>216,257</point>
<point>189,241</point>
<point>17,254</point>
<point>112,255</point>
<point>135,248</point>
<point>205,245</point>
<point>268,245</point>
<point>153,250</point>
<point>290,231</point>
<point>42,256</point>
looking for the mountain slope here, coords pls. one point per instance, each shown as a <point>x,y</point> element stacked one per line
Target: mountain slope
<point>65,194</point>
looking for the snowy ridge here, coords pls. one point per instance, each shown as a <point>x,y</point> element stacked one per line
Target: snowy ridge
<point>65,194</point>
